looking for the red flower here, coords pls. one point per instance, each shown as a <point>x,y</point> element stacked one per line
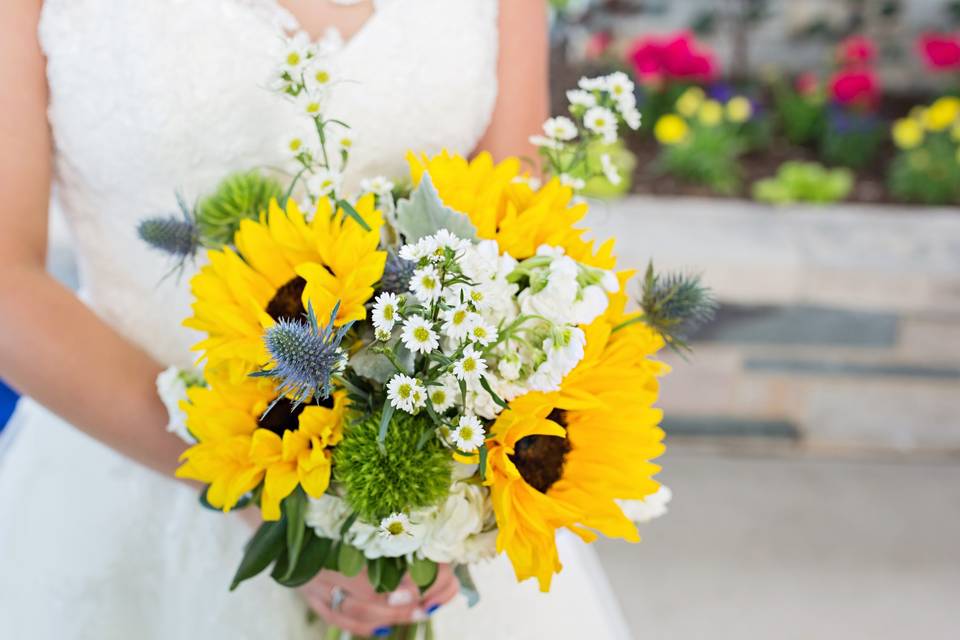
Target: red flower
<point>855,87</point>
<point>856,51</point>
<point>941,51</point>
<point>676,57</point>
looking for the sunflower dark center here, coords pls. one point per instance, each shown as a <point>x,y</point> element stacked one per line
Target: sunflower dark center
<point>539,458</point>
<point>284,415</point>
<point>287,302</point>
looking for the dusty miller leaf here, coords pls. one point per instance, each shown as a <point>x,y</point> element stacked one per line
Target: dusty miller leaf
<point>423,214</point>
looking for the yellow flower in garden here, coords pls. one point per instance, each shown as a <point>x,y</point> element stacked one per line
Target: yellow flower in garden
<point>942,113</point>
<point>505,209</point>
<point>710,114</point>
<point>563,459</point>
<point>689,102</point>
<point>739,109</point>
<point>281,263</point>
<point>671,129</point>
<point>301,455</point>
<point>907,133</point>
<point>245,436</point>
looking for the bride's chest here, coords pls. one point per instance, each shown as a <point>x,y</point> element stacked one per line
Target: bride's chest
<point>156,91</point>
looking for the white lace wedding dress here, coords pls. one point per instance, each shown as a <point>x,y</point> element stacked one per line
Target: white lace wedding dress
<point>152,96</point>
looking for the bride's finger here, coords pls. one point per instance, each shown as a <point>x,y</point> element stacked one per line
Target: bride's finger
<point>444,588</point>
<point>364,609</point>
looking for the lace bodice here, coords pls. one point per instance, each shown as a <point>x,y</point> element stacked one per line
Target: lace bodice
<point>154,96</point>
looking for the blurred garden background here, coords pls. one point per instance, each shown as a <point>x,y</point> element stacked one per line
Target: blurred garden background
<point>804,156</point>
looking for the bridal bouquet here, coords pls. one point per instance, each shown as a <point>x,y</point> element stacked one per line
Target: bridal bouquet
<point>416,375</point>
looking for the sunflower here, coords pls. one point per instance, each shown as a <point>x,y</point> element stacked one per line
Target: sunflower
<point>246,435</point>
<point>563,459</point>
<point>504,208</point>
<point>281,264</point>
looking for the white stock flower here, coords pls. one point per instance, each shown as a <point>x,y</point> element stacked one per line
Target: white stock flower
<point>324,182</point>
<point>509,366</point>
<point>609,282</point>
<point>456,528</point>
<point>469,434</point>
<point>580,98</point>
<point>172,389</point>
<point>560,128</point>
<point>610,172</point>
<point>555,300</point>
<point>470,366</point>
<point>590,305</point>
<point>425,284</point>
<point>385,311</point>
<point>418,335</point>
<point>564,350</point>
<point>603,122</point>
<point>404,393</point>
<point>326,515</point>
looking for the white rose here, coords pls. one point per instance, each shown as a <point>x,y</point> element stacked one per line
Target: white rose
<point>449,527</point>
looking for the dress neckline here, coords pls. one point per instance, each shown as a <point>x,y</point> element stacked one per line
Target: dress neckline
<point>331,38</point>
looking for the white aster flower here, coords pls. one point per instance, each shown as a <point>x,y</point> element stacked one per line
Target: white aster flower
<point>397,535</point>
<point>574,183</point>
<point>546,143</point>
<point>619,85</point>
<point>382,335</point>
<point>580,98</point>
<point>593,84</point>
<point>560,128</point>
<point>379,185</point>
<point>530,181</point>
<point>603,122</point>
<point>471,366</point>
<point>610,172</point>
<point>324,182</point>
<point>469,434</point>
<point>310,104</point>
<point>444,394</point>
<point>481,332</point>
<point>318,74</point>
<point>456,322</point>
<point>295,145</point>
<point>385,311</point>
<point>445,239</point>
<point>418,335</point>
<point>417,251</point>
<point>403,391</point>
<point>425,284</point>
<point>296,54</point>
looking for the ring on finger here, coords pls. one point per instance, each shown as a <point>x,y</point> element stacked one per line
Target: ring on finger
<point>337,596</point>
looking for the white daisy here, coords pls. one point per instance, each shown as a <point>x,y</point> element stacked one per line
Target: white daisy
<point>603,122</point>
<point>394,525</point>
<point>545,142</point>
<point>619,85</point>
<point>481,331</point>
<point>456,322</point>
<point>295,145</point>
<point>530,181</point>
<point>318,74</point>
<point>385,311</point>
<point>417,251</point>
<point>471,366</point>
<point>631,116</point>
<point>444,393</point>
<point>323,182</point>
<point>593,84</point>
<point>580,98</point>
<point>609,171</point>
<point>296,54</point>
<point>425,283</point>
<point>401,391</point>
<point>379,185</point>
<point>469,434</point>
<point>560,128</point>
<point>418,335</point>
<point>574,183</point>
<point>310,104</point>
<point>444,238</point>
<point>398,536</point>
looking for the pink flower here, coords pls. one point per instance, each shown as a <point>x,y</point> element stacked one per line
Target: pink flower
<point>856,51</point>
<point>597,44</point>
<point>940,51</point>
<point>675,57</point>
<point>856,88</point>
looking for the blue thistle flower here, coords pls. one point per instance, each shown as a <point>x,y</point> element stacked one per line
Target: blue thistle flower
<point>396,274</point>
<point>174,235</point>
<point>304,356</point>
<point>674,304</point>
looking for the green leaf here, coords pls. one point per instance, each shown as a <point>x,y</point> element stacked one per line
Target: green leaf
<point>483,462</point>
<point>486,386</point>
<point>353,213</point>
<point>295,509</point>
<point>264,547</point>
<point>351,560</point>
<point>467,586</point>
<point>375,572</point>
<point>424,213</point>
<point>311,561</point>
<point>391,573</point>
<point>423,572</point>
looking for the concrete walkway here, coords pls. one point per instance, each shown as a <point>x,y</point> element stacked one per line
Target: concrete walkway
<point>757,548</point>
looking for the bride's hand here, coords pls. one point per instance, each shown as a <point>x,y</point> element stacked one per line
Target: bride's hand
<point>363,611</point>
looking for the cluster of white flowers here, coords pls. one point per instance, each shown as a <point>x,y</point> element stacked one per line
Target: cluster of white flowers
<point>321,147</point>
<point>489,327</point>
<point>597,108</point>
<point>461,529</point>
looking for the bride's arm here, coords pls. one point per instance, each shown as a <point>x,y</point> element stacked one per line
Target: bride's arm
<point>52,347</point>
<point>522,77</point>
